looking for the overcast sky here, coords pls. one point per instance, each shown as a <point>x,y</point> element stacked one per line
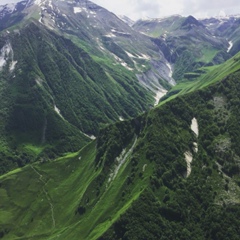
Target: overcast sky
<point>136,9</point>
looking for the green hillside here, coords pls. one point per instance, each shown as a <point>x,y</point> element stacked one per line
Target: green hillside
<point>54,94</point>
<point>186,43</point>
<point>172,173</point>
<point>207,76</point>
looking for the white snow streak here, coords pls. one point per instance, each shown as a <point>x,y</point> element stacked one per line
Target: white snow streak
<point>188,155</point>
<point>10,7</point>
<point>170,70</point>
<point>110,35</point>
<point>12,65</point>
<point>5,53</point>
<point>77,10</point>
<point>160,93</point>
<point>194,126</point>
<point>188,158</point>
<point>144,167</point>
<point>89,136</point>
<point>129,54</point>
<point>121,118</point>
<point>38,2</point>
<point>230,46</point>
<point>56,109</point>
<point>119,161</point>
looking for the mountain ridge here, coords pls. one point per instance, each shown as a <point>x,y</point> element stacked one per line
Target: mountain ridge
<point>164,172</point>
<point>144,170</point>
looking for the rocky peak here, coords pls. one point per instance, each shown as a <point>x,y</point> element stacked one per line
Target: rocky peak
<point>190,21</point>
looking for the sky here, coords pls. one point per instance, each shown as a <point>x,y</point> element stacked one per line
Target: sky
<point>136,9</point>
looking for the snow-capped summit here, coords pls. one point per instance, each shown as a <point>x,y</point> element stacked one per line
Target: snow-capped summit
<point>7,9</point>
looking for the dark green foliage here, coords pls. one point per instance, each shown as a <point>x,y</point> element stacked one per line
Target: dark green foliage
<point>117,50</point>
<point>112,140</point>
<point>185,63</point>
<point>175,208</point>
<point>220,57</point>
<point>150,196</point>
<point>53,72</point>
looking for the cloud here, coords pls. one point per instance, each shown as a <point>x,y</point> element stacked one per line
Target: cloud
<point>3,2</point>
<point>136,9</point>
<point>212,8</point>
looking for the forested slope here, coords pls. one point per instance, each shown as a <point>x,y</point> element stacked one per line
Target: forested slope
<point>54,94</point>
<point>171,173</point>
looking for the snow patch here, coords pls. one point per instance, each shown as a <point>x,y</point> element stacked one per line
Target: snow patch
<point>144,56</point>
<point>56,109</point>
<point>89,136</point>
<point>12,65</point>
<point>230,46</point>
<point>92,137</point>
<point>126,66</point>
<point>144,167</point>
<point>77,10</point>
<point>170,70</point>
<point>118,32</point>
<point>110,35</point>
<point>194,126</point>
<point>40,19</point>
<point>50,4</point>
<point>119,161</point>
<point>10,7</point>
<point>129,54</point>
<point>38,2</point>
<point>39,81</point>
<point>195,145</point>
<point>4,53</point>
<point>160,93</point>
<point>188,155</point>
<point>188,158</point>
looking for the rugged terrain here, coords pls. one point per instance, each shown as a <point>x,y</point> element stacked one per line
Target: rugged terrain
<point>92,157</point>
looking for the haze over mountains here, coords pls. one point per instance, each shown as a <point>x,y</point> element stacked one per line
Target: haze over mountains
<point>87,149</point>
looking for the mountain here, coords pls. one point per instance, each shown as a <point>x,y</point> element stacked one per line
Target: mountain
<point>70,67</point>
<point>227,27</point>
<point>186,42</point>
<point>170,173</point>
<point>126,19</point>
<point>85,154</point>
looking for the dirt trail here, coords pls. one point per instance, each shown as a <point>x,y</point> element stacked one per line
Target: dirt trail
<point>47,195</point>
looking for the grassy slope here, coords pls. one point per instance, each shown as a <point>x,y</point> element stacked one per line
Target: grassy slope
<point>214,74</point>
<point>85,204</point>
<point>52,70</point>
<point>65,181</point>
<point>205,205</point>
